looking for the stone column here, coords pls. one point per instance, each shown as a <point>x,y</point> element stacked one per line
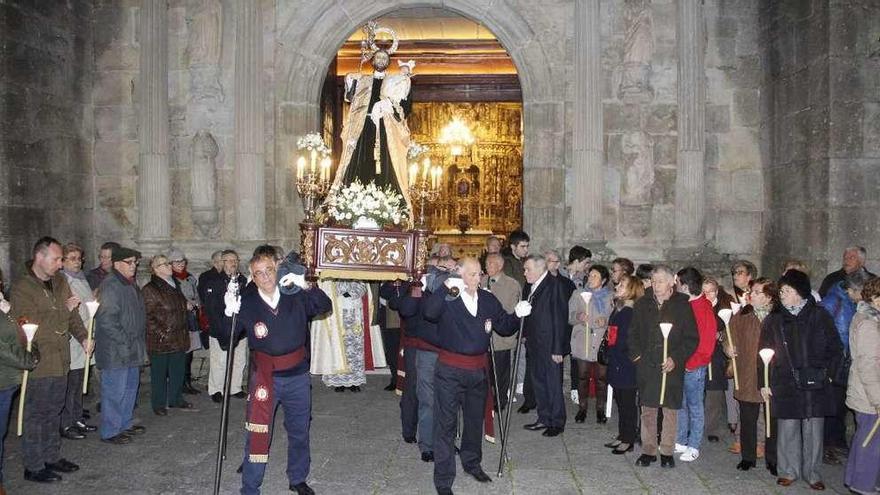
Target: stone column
<point>689,182</point>
<point>154,179</point>
<point>585,219</point>
<point>250,196</point>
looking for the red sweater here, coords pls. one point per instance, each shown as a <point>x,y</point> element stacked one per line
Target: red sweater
<point>707,327</point>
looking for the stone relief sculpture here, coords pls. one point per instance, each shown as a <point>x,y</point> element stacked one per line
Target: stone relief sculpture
<point>204,182</point>
<point>638,45</point>
<point>638,152</point>
<point>204,43</point>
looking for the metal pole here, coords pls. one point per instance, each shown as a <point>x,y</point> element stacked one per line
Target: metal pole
<point>511,390</point>
<point>497,394</point>
<point>224,411</point>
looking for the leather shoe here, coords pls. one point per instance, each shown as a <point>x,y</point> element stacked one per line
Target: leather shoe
<point>135,430</point>
<point>524,409</point>
<point>120,439</point>
<point>772,468</point>
<point>620,451</point>
<point>645,460</point>
<point>612,444</point>
<point>217,397</point>
<point>536,426</point>
<point>444,491</point>
<point>188,389</point>
<point>185,406</point>
<point>580,417</point>
<point>42,476</point>
<point>302,489</point>
<point>667,461</point>
<point>600,418</point>
<point>409,439</point>
<point>817,486</point>
<point>745,465</point>
<point>428,456</point>
<point>62,466</point>
<point>84,427</point>
<point>713,439</point>
<point>480,475</point>
<point>552,431</point>
<point>71,434</point>
<point>784,481</point>
<point>160,411</point>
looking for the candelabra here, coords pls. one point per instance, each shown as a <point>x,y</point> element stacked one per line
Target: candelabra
<point>424,187</point>
<point>312,184</point>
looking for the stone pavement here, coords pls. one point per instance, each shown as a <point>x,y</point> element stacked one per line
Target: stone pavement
<point>357,449</point>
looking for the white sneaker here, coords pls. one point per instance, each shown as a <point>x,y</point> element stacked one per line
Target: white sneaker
<point>574,397</point>
<point>680,449</point>
<point>690,455</point>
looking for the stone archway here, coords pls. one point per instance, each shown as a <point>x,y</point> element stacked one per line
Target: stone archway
<point>308,39</point>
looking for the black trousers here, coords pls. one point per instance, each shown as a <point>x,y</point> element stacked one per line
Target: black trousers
<point>749,415</point>
<point>547,383</point>
<point>628,415</point>
<point>457,389</point>
<point>502,371</point>
<point>41,439</point>
<point>573,372</point>
<point>409,401</point>
<point>835,426</point>
<point>528,381</point>
<point>391,342</point>
<point>73,402</point>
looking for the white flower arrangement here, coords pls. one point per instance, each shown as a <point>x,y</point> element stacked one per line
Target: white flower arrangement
<point>356,201</point>
<point>313,142</point>
<point>415,149</point>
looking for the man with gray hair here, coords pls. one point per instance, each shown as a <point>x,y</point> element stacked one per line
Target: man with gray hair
<point>853,260</point>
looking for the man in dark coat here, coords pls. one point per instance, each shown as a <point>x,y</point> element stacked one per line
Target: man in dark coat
<point>547,341</point>
<point>661,304</point>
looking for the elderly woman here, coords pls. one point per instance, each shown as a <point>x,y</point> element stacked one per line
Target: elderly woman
<point>589,326</point>
<point>73,425</point>
<point>167,337</point>
<point>189,287</point>
<point>863,391</point>
<point>807,351</point>
<point>622,371</point>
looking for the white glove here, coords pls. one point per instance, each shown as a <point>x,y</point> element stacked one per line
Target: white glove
<point>424,282</point>
<point>522,309</point>
<point>231,299</point>
<point>4,305</point>
<point>455,282</point>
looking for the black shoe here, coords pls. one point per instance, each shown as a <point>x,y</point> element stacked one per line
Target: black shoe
<point>667,461</point>
<point>86,414</point>
<point>444,491</point>
<point>217,397</point>
<point>243,395</point>
<point>84,427</point>
<point>71,434</point>
<point>160,411</point>
<point>428,456</point>
<point>524,409</point>
<point>62,466</point>
<point>355,388</point>
<point>120,439</point>
<point>646,460</point>
<point>580,417</point>
<point>135,430</point>
<point>613,444</point>
<point>713,439</point>
<point>339,389</point>
<point>411,439</point>
<point>772,468</point>
<point>188,389</point>
<point>302,489</point>
<point>480,475</point>
<point>600,418</point>
<point>536,426</point>
<point>552,431</point>
<point>42,476</point>
<point>619,450</point>
<point>185,406</point>
<point>745,465</point>
<point>390,387</point>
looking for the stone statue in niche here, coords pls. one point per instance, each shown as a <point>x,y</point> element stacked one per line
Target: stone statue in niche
<point>204,41</point>
<point>638,47</point>
<point>204,182</point>
<point>638,159</point>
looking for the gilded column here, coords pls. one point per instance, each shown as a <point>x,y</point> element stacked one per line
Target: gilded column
<point>585,221</point>
<point>154,179</point>
<point>250,197</point>
<point>690,181</point>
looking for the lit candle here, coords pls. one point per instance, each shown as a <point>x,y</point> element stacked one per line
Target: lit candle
<point>413,173</point>
<point>314,161</point>
<point>325,169</point>
<point>300,167</point>
<point>426,165</point>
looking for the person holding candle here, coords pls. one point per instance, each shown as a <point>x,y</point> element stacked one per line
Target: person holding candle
<point>716,384</point>
<point>661,304</point>
<point>43,296</point>
<point>807,350</point>
<point>745,329</point>
<point>863,391</point>
<point>589,324</point>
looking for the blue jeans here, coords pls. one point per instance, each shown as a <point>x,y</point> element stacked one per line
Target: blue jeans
<point>5,404</point>
<point>119,388</point>
<point>425,364</point>
<point>692,418</point>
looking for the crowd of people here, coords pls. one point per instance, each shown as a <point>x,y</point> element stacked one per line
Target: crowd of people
<point>680,356</point>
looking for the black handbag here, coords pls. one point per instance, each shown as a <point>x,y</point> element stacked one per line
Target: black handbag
<point>602,354</point>
<point>808,377</point>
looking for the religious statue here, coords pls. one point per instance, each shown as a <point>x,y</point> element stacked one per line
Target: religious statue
<point>375,136</point>
<point>204,183</point>
<point>638,47</point>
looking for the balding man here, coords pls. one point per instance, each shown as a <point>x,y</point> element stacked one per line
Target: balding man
<point>853,260</point>
<point>507,290</point>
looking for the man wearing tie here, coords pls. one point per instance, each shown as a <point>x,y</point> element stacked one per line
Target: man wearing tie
<point>508,291</point>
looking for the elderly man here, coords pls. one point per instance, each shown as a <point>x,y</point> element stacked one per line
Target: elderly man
<point>508,291</point>
<point>493,245</point>
<point>853,260</point>
<point>465,321</point>
<point>120,334</point>
<point>661,304</point>
<point>42,296</point>
<point>277,330</point>
<point>547,341</point>
<point>96,275</point>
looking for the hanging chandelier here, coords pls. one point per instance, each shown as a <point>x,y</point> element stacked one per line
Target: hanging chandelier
<point>457,135</point>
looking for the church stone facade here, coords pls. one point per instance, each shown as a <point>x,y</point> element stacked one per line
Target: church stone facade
<point>654,129</point>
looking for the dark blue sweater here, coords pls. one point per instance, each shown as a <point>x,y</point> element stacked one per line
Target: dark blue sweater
<point>621,371</point>
<point>287,325</point>
<point>460,332</point>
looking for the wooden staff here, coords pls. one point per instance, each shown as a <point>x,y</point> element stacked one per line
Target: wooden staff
<point>93,308</point>
<point>665,328</point>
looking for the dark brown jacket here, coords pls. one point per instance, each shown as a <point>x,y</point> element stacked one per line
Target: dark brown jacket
<point>745,331</point>
<point>166,317</point>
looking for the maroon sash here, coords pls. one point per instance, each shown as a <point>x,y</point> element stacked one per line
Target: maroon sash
<point>262,399</point>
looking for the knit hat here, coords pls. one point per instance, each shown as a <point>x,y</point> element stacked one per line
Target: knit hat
<point>122,253</point>
<point>176,255</point>
<point>798,281</point>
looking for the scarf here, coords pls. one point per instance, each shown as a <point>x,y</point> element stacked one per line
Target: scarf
<point>180,275</point>
<point>794,310</point>
<point>761,313</point>
<point>868,310</point>
<point>77,275</point>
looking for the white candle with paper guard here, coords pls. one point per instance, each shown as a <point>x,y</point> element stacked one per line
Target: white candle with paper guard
<point>92,306</point>
<point>30,329</point>
<point>725,315</point>
<point>586,296</point>
<point>767,356</point>
<point>665,329</point>
<point>735,307</point>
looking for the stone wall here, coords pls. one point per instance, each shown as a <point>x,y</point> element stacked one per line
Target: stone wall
<point>46,126</point>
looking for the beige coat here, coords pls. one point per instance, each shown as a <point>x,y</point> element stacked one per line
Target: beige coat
<point>508,291</point>
<point>863,388</point>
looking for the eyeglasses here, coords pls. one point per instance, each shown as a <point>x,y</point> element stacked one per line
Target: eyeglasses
<point>131,262</point>
<point>264,273</point>
<point>163,264</point>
